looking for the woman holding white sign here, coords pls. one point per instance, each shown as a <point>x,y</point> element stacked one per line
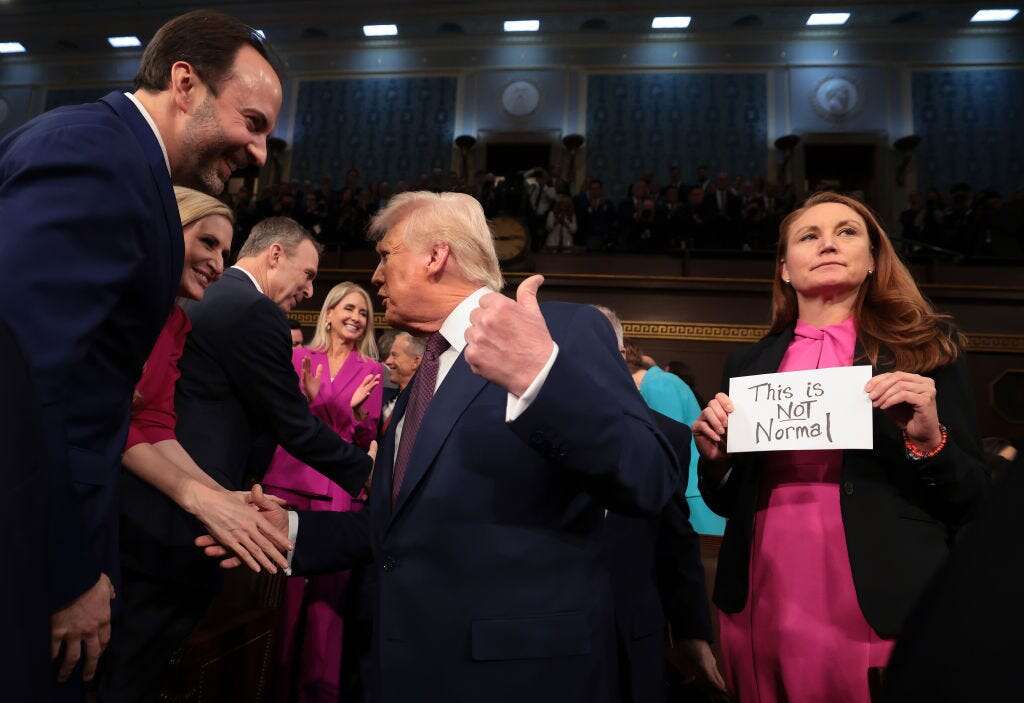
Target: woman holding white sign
<point>825,551</point>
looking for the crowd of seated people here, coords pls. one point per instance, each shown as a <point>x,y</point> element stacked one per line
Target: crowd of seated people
<point>964,222</point>
<point>720,212</point>
<point>704,212</point>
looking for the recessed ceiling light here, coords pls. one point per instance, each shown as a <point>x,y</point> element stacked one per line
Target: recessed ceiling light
<point>123,42</point>
<point>380,30</point>
<point>11,47</point>
<point>823,19</point>
<point>670,23</point>
<point>994,15</point>
<point>522,25</point>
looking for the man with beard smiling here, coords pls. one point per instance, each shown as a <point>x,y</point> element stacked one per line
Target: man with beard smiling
<point>92,240</point>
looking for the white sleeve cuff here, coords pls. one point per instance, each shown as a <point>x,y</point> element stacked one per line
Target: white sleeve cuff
<point>293,532</point>
<point>515,407</point>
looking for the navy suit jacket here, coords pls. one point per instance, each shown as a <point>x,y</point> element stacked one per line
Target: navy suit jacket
<point>91,253</point>
<point>657,574</point>
<point>491,580</point>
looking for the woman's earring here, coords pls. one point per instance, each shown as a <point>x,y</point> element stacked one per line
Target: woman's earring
<point>328,326</point>
<point>785,280</point>
<point>870,271</point>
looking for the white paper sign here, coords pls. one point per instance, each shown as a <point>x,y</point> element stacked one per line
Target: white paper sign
<point>818,409</point>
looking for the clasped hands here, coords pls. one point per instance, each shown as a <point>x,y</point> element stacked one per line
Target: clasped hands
<point>268,510</point>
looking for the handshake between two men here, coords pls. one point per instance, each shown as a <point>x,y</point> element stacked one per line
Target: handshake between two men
<point>507,343</point>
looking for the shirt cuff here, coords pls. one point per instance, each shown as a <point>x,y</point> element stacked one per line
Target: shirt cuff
<point>293,532</point>
<point>515,407</point>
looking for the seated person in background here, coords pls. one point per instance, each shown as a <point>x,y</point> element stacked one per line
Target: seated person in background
<point>669,219</point>
<point>561,226</point>
<point>340,376</point>
<point>636,219</point>
<point>403,360</point>
<point>596,217</point>
<point>669,395</point>
<point>157,466</point>
<point>296,331</point>
<point>696,232</point>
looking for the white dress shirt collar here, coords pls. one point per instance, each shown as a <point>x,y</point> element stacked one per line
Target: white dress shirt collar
<point>454,327</point>
<point>251,277</point>
<point>152,125</point>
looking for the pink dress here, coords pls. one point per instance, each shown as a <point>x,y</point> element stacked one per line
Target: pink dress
<point>310,670</point>
<point>802,635</point>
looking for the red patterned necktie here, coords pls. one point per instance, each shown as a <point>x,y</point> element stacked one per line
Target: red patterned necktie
<point>419,400</point>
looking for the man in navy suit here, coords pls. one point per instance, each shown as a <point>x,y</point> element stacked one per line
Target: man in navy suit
<point>488,498</point>
<point>91,256</point>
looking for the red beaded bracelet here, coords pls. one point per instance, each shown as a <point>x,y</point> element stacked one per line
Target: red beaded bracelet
<point>915,453</point>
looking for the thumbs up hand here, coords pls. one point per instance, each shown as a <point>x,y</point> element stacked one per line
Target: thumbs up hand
<point>508,341</point>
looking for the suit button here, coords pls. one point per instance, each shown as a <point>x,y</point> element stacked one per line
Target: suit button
<point>389,563</point>
<point>848,488</point>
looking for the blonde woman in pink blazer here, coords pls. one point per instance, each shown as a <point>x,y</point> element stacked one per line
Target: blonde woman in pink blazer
<point>341,376</point>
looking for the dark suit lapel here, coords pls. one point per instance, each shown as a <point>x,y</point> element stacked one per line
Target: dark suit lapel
<point>384,466</point>
<point>143,133</point>
<point>770,358</point>
<point>457,391</point>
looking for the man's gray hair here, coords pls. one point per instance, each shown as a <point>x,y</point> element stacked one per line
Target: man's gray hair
<point>614,320</point>
<point>417,345</point>
<point>455,219</point>
<point>277,230</point>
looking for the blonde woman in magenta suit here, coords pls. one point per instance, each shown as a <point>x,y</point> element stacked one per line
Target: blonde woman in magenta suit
<point>340,375</point>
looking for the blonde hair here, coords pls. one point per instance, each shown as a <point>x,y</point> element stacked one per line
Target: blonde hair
<point>895,323</point>
<point>194,206</point>
<point>322,337</point>
<point>455,219</point>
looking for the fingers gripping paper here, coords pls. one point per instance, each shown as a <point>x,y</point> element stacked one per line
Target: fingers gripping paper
<point>818,409</point>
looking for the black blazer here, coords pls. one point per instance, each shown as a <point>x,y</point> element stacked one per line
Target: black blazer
<point>656,572</point>
<point>24,510</point>
<point>899,515</point>
<point>237,394</point>
<point>961,643</point>
<point>90,260</point>
<point>491,581</point>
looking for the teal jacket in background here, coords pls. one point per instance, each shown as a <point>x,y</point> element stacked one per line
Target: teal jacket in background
<point>669,395</point>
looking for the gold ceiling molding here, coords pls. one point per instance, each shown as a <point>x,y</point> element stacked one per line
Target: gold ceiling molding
<point>718,332</point>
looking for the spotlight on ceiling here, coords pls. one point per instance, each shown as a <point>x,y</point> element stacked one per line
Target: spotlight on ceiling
<point>670,23</point>
<point>380,30</point>
<point>827,19</point>
<point>522,25</point>
<point>123,42</point>
<point>994,15</point>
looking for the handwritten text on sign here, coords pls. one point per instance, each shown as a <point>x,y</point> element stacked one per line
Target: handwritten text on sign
<point>818,409</point>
